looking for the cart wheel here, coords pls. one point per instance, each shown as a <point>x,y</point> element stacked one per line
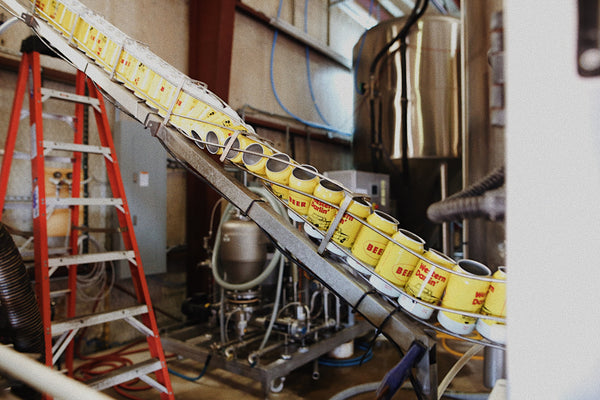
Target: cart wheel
<point>277,384</point>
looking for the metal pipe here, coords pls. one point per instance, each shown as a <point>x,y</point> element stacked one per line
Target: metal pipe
<point>338,312</point>
<point>230,350</point>
<point>446,240</point>
<point>6,24</point>
<point>351,321</point>
<point>464,115</point>
<point>255,355</point>
<point>220,346</point>
<point>494,366</point>
<point>44,379</point>
<point>326,304</point>
<point>316,374</point>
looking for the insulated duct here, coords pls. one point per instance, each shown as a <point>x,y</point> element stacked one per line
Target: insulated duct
<point>18,298</point>
<point>483,199</point>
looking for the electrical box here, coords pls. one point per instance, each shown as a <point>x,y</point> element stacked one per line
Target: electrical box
<point>375,186</point>
<point>143,163</point>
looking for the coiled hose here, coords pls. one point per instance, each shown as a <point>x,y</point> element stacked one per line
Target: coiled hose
<point>18,298</point>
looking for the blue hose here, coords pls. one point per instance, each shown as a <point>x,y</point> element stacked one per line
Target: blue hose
<point>297,118</point>
<point>194,379</point>
<point>308,77</point>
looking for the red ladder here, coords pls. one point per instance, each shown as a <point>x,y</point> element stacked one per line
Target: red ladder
<point>29,70</point>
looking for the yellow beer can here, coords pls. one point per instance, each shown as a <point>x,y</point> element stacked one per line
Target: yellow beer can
<point>464,294</point>
<point>320,214</point>
<point>350,224</point>
<point>370,245</point>
<point>256,157</point>
<point>495,304</point>
<point>427,283</point>
<point>278,169</point>
<point>304,179</point>
<point>240,144</point>
<point>397,264</point>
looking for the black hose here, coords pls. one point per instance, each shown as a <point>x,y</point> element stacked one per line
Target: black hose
<point>412,18</point>
<point>18,298</point>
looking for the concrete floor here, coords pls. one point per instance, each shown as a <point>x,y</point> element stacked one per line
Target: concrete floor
<point>220,384</point>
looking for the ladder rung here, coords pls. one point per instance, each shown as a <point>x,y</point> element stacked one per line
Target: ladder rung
<point>90,258</point>
<point>59,293</point>
<point>57,94</point>
<point>124,374</point>
<point>61,327</point>
<point>83,201</point>
<point>81,148</point>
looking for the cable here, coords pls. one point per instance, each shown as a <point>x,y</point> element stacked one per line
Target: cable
<point>6,24</point>
<point>308,77</point>
<point>457,367</point>
<point>296,303</point>
<point>97,277</point>
<point>275,311</point>
<point>444,341</point>
<point>10,11</point>
<point>412,18</point>
<point>357,89</point>
<point>98,365</point>
<point>297,118</point>
<point>212,215</point>
<point>215,261</point>
<point>376,145</point>
<point>194,379</point>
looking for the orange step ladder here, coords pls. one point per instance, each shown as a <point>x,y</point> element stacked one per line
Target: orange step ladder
<point>59,335</point>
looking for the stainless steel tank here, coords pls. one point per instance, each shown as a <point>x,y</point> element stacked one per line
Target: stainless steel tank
<point>243,250</point>
<point>433,67</point>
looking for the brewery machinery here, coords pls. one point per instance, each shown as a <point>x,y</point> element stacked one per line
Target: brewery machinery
<point>254,324</point>
<point>266,316</point>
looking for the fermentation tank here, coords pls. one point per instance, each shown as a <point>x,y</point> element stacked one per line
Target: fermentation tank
<point>433,65</point>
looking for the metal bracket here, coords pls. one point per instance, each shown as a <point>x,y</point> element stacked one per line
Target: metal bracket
<point>332,227</point>
<point>155,127</point>
<point>229,145</point>
<point>29,20</point>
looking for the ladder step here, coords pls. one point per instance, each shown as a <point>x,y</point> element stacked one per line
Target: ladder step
<point>81,148</point>
<point>59,293</point>
<point>61,327</point>
<point>124,374</point>
<point>76,98</point>
<point>91,258</point>
<point>82,201</point>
